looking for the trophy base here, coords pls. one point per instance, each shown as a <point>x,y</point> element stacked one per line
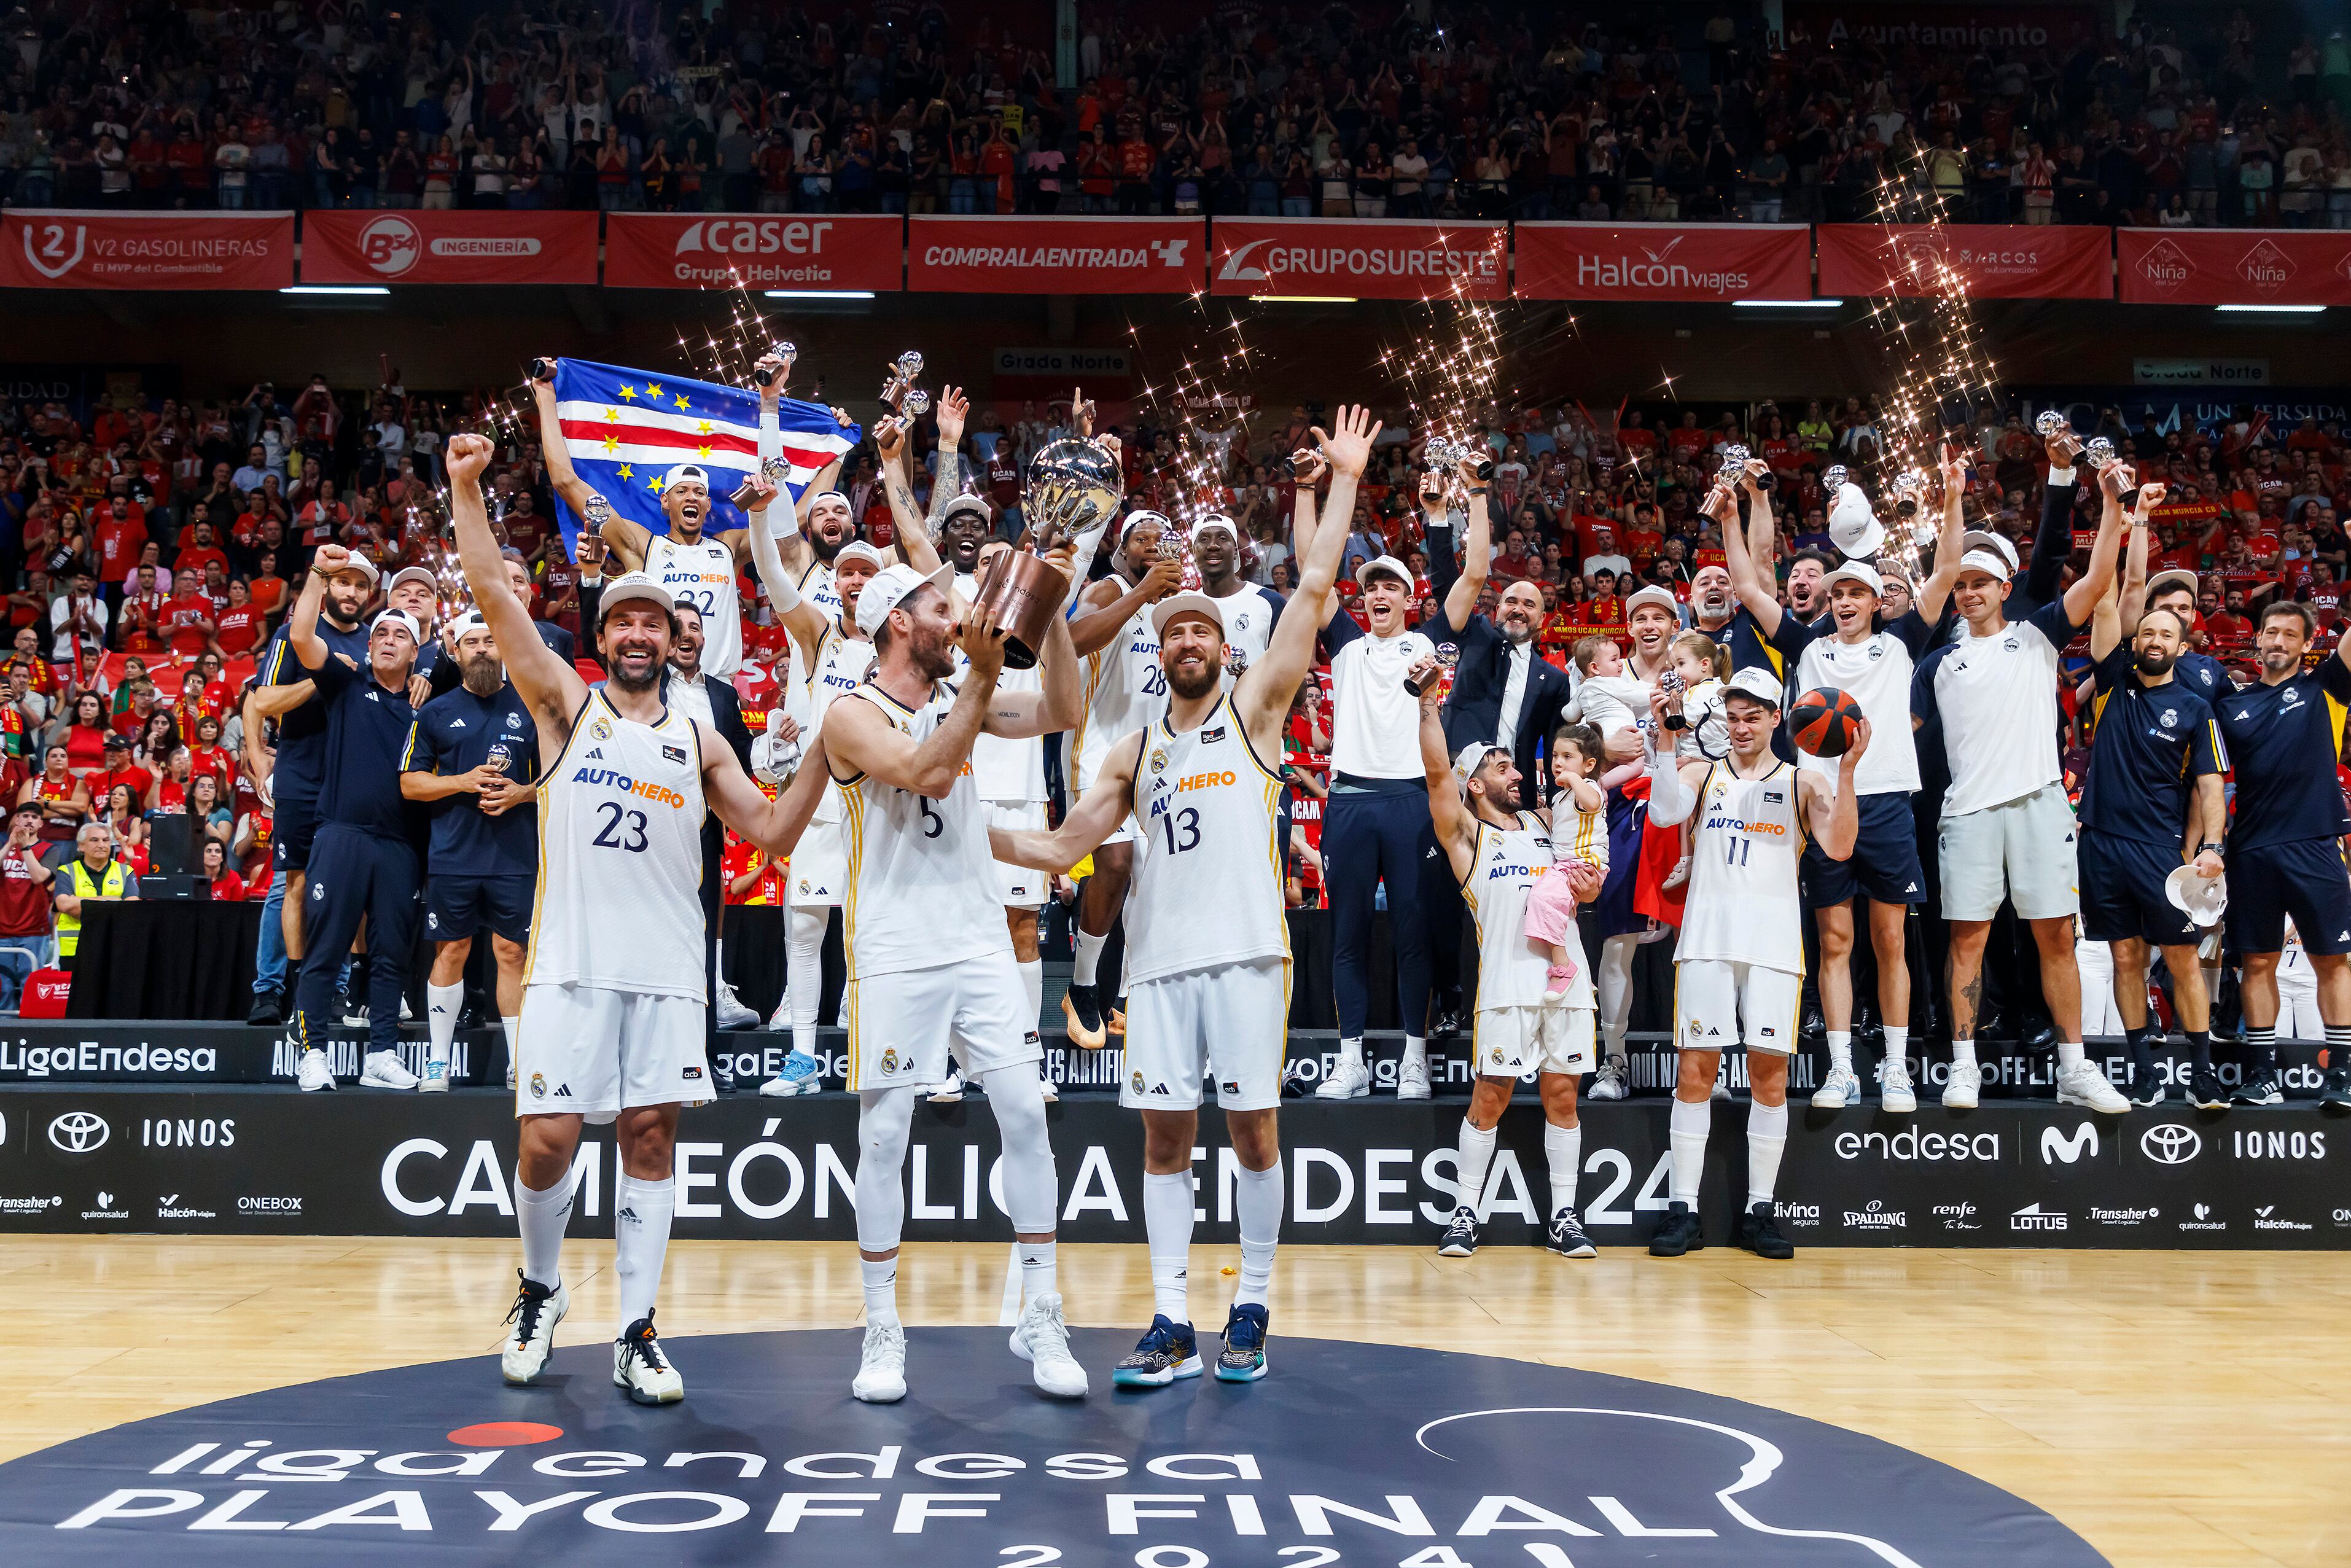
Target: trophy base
<point>1020,596</point>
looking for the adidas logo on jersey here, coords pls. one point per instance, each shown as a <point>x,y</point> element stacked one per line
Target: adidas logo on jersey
<point>456,723</point>
<point>595,756</point>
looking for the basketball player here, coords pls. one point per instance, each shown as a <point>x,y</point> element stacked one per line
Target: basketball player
<point>1851,651</point>
<point>1207,940</point>
<point>614,999</point>
<point>1498,851</point>
<point>1249,610</point>
<point>1739,968</point>
<point>929,959</point>
<point>2285,853</point>
<point>2007,827</point>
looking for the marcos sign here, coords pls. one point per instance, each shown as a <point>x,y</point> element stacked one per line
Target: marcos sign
<point>1987,261</point>
<point>42,249</point>
<point>670,250</point>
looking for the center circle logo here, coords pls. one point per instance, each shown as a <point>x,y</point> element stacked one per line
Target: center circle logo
<point>2169,1143</point>
<point>391,245</point>
<point>79,1133</point>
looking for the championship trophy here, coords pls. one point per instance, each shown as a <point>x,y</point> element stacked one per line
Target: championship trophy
<point>1446,455</point>
<point>898,390</point>
<point>2100,452</point>
<point>1175,545</point>
<point>1833,478</point>
<point>1448,659</point>
<point>2049,424</point>
<point>1074,486</point>
<point>1735,459</point>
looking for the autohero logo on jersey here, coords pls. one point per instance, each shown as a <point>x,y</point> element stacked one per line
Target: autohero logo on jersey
<point>643,789</point>
<point>23,1059</point>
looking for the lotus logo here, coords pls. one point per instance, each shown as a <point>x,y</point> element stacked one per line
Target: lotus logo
<point>79,1133</point>
<point>2171,1143</point>
<point>391,245</point>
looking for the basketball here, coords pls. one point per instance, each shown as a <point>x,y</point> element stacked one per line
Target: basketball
<point>1824,721</point>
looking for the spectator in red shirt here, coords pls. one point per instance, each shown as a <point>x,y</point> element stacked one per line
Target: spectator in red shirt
<point>119,771</point>
<point>25,907</point>
<point>225,883</point>
<point>187,618</point>
<point>204,548</point>
<point>240,628</point>
<point>121,534</point>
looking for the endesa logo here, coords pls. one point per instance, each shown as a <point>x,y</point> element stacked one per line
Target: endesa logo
<point>1910,1144</point>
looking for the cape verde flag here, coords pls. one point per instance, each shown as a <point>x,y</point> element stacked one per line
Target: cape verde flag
<point>627,429</point>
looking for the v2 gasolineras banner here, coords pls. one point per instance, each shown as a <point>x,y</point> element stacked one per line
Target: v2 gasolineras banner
<point>56,248</point>
<point>2236,266</point>
<point>1988,261</point>
<point>1663,261</point>
<point>472,245</point>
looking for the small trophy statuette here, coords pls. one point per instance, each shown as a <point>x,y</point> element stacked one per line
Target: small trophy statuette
<point>900,378</point>
<point>2051,423</point>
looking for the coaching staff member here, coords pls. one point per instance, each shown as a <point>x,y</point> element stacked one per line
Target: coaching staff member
<point>473,755</point>
<point>364,863</point>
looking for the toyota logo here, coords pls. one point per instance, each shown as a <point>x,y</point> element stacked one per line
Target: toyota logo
<point>79,1132</point>
<point>2171,1143</point>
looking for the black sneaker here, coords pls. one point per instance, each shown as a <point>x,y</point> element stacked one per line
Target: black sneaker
<point>1081,1014</point>
<point>1566,1236</point>
<point>1678,1233</point>
<point>1449,1022</point>
<point>2337,1090</point>
<point>1759,1233</point>
<point>722,1077</point>
<point>2264,1089</point>
<point>2204,1090</point>
<point>269,1007</point>
<point>1167,1351</point>
<point>2149,1092</point>
<point>1461,1236</point>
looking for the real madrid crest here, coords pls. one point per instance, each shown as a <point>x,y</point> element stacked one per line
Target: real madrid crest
<point>600,729</point>
<point>1159,759</point>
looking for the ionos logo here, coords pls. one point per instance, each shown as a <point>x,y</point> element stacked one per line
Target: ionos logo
<point>187,1133</point>
<point>2267,1144</point>
<point>1876,1217</point>
<point>1911,1144</point>
<point>2031,1218</point>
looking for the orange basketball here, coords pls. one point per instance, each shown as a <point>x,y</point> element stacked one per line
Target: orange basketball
<point>1825,722</point>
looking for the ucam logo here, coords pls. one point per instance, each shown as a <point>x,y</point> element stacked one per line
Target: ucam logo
<point>2067,1147</point>
<point>2032,1217</point>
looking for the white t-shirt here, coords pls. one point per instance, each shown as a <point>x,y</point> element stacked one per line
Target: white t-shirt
<point>1610,703</point>
<point>1997,696</point>
<point>1375,722</point>
<point>1875,673</point>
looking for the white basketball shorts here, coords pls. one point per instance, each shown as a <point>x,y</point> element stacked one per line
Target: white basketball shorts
<point>1511,1043</point>
<point>1019,886</point>
<point>819,873</point>
<point>1229,1023</point>
<point>594,1051</point>
<point>1714,997</point>
<point>2024,848</point>
<point>900,1024</point>
<point>1090,763</point>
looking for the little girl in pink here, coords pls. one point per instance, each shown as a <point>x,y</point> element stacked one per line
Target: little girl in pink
<point>1578,831</point>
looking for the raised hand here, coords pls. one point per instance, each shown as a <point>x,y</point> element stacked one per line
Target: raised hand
<point>1166,576</point>
<point>953,409</point>
<point>1348,445</point>
<point>467,456</point>
<point>983,644</point>
<point>1307,467</point>
<point>770,373</point>
<point>889,437</point>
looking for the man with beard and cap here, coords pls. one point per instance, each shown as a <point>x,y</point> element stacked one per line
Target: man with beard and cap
<point>364,863</point>
<point>473,756</point>
<point>1851,651</point>
<point>416,593</point>
<point>615,999</point>
<point>2151,801</point>
<point>1207,940</point>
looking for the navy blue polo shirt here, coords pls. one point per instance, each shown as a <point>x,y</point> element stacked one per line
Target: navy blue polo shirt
<point>456,733</point>
<point>367,730</point>
<point>301,767</point>
<point>2286,741</point>
<point>2149,746</point>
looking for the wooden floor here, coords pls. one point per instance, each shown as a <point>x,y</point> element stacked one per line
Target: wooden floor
<point>2174,1407</point>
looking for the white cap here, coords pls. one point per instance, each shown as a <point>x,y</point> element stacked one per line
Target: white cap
<point>2178,574</point>
<point>404,621</point>
<point>861,550</point>
<point>1853,527</point>
<point>1759,683</point>
<point>832,496</point>
<point>1986,560</point>
<point>2200,898</point>
<point>1216,520</point>
<point>1137,517</point>
<point>620,590</point>
<point>354,562</point>
<point>1653,595</point>
<point>1999,544</point>
<point>1858,571</point>
<point>684,474</point>
<point>412,574</point>
<point>1176,604</point>
<point>963,503</point>
<point>1470,758</point>
<point>471,621</point>
<point>1389,564</point>
<point>889,589</point>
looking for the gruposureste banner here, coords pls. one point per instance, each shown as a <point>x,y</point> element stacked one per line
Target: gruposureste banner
<point>475,245</point>
<point>1717,262</point>
<point>1361,258</point>
<point>51,248</point>
<point>959,255</point>
<point>844,251</point>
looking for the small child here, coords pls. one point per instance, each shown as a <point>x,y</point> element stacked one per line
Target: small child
<point>1703,667</point>
<point>1579,832</point>
<point>1606,698</point>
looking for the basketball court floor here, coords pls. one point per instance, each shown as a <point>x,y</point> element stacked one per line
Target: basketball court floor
<point>2137,1407</point>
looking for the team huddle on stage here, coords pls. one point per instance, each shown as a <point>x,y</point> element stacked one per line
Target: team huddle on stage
<point>910,762</point>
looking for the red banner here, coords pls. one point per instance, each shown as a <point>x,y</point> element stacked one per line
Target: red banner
<point>482,246</point>
<point>1054,255</point>
<point>1989,261</point>
<point>2236,266</point>
<point>51,249</point>
<point>1360,258</point>
<point>1665,261</point>
<point>672,250</point>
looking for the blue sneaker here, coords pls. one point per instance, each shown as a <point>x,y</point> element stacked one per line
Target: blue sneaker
<point>437,1076</point>
<point>799,1075</point>
<point>1166,1351</point>
<point>1243,1360</point>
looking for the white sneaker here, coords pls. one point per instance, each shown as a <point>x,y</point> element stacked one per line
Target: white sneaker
<point>732,1013</point>
<point>1042,1339</point>
<point>780,1020</point>
<point>405,1015</point>
<point>947,1091</point>
<point>643,1367</point>
<point>1608,1080</point>
<point>1045,1083</point>
<point>384,1069</point>
<point>1837,1090</point>
<point>1721,1080</point>
<point>312,1071</point>
<point>536,1311</point>
<point>1959,1089</point>
<point>510,1078</point>
<point>1894,1089</point>
<point>2084,1083</point>
<point>882,1371</point>
<point>1412,1078</point>
<point>1348,1081</point>
<point>437,1076</point>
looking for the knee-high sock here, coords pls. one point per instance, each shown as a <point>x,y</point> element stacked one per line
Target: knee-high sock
<point>1258,1199</point>
<point>804,972</point>
<point>1686,1132</point>
<point>1088,957</point>
<point>510,1024</point>
<point>441,1005</point>
<point>1564,1155</point>
<point>641,1241</point>
<point>885,1120</point>
<point>1613,979</point>
<point>1476,1153</point>
<point>1031,1188</point>
<point>1033,981</point>
<point>543,1217</point>
<point>1767,1134</point>
<point>1167,1226</point>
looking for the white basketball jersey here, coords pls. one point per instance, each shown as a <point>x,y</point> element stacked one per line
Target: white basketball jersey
<point>1742,907</point>
<point>1208,853</point>
<point>1512,967</point>
<point>1004,769</point>
<point>1248,617</point>
<point>703,574</point>
<point>1125,690</point>
<point>1875,672</point>
<point>619,857</point>
<point>922,885</point>
<point>818,587</point>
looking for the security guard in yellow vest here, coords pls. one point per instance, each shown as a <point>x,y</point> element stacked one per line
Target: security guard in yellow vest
<point>92,873</point>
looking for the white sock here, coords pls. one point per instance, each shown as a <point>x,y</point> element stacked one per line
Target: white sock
<point>881,1288</point>
<point>1841,1049</point>
<point>543,1217</point>
<point>1033,981</point>
<point>1416,1048</point>
<point>441,1005</point>
<point>1167,1228</point>
<point>804,1039</point>
<point>512,1024</point>
<point>804,972</point>
<point>1963,1054</point>
<point>1351,1052</point>
<point>1477,1155</point>
<point>2069,1054</point>
<point>1257,1198</point>
<point>718,960</point>
<point>1564,1153</point>
<point>1687,1128</point>
<point>641,1241</point>
<point>1089,959</point>
<point>1040,1274</point>
<point>1767,1134</point>
<point>1897,1048</point>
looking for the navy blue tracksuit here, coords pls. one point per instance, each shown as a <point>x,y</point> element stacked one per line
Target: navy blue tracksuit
<point>299,772</point>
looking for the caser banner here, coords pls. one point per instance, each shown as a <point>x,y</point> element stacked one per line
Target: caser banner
<point>1988,261</point>
<point>961,255</point>
<point>2235,267</point>
<point>475,245</point>
<point>47,248</point>
<point>1716,262</point>
<point>678,250</point>
<point>1361,258</point>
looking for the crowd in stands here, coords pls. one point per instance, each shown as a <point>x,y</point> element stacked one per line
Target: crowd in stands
<point>1692,113</point>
